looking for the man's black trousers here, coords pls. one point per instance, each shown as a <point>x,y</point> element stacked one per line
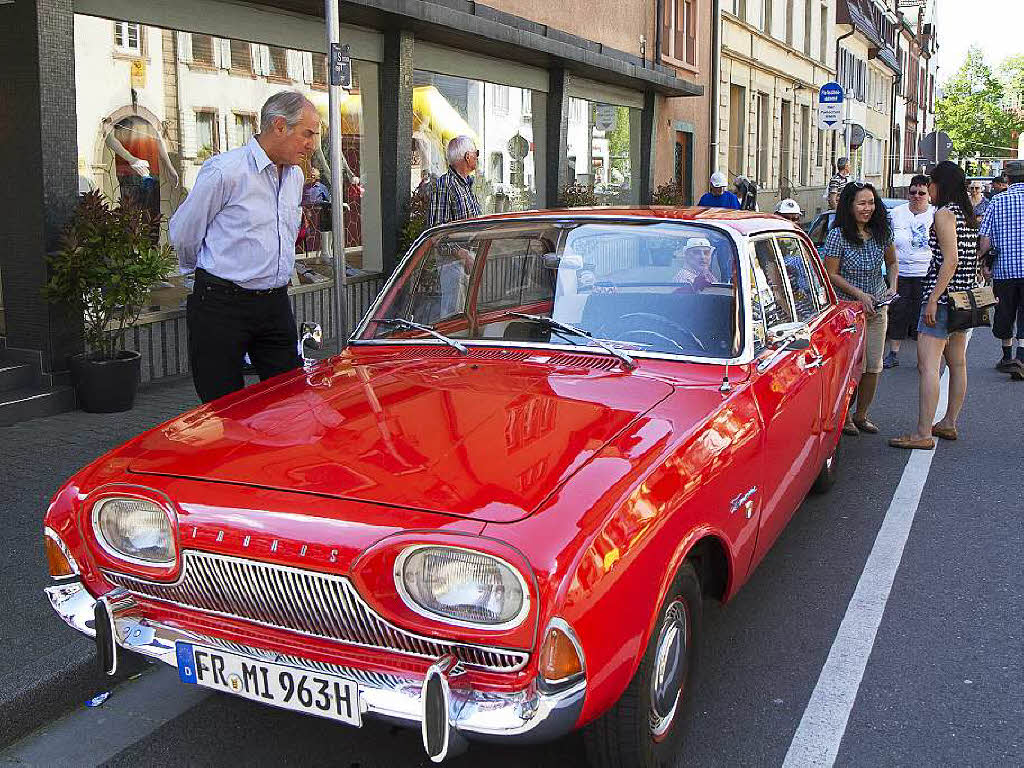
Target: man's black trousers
<point>225,322</point>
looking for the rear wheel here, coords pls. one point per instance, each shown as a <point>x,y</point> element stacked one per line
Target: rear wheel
<point>645,727</point>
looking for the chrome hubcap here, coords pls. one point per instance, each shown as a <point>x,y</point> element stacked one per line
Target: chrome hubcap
<point>669,673</point>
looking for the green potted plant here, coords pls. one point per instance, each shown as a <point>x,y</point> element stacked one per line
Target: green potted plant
<point>103,272</point>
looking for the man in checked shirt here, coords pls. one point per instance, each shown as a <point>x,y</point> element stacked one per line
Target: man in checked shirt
<point>453,200</point>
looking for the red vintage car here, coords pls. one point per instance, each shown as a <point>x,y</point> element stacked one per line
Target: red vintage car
<point>495,516</point>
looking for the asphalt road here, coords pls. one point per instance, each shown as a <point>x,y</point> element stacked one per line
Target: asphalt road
<point>943,684</point>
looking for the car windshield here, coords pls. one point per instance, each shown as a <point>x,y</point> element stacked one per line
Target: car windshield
<point>663,287</point>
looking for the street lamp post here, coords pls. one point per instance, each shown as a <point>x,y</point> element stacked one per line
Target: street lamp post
<point>337,171</point>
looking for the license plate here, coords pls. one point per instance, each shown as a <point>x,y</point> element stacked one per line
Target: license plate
<point>278,685</point>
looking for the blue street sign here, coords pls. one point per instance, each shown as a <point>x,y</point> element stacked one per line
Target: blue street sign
<point>831,93</point>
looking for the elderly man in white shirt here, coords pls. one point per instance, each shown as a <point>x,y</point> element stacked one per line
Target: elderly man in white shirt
<point>237,230</point>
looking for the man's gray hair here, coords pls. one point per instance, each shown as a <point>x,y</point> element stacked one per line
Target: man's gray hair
<point>841,163</point>
<point>458,147</point>
<point>286,104</point>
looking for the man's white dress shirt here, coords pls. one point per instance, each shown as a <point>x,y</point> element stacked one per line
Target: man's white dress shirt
<point>241,219</point>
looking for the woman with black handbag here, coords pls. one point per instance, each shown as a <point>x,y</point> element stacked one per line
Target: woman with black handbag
<point>954,267</point>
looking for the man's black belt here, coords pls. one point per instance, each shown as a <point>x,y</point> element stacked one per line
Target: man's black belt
<point>226,286</point>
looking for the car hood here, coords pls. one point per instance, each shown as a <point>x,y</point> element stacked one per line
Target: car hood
<point>483,439</point>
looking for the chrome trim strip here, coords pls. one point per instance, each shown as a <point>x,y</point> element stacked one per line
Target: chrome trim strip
<point>403,591</point>
<point>308,602</point>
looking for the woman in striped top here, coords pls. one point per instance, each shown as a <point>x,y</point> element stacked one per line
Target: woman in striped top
<point>954,267</point>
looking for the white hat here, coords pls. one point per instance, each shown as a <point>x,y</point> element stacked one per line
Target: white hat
<point>718,179</point>
<point>789,205</point>
<point>698,242</point>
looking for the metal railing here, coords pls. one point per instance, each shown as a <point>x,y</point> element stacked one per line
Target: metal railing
<point>161,338</point>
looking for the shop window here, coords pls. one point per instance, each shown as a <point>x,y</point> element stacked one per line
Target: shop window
<point>603,150</point>
<point>679,31</point>
<point>128,38</point>
<point>241,57</point>
<point>446,106</point>
<point>202,50</point>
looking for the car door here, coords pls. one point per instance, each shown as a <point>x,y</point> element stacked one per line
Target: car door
<point>788,391</point>
<point>831,328</point>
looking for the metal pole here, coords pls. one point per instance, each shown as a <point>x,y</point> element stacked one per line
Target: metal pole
<point>337,176</point>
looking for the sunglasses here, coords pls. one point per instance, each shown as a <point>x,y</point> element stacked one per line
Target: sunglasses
<point>861,184</point>
<point>924,192</point>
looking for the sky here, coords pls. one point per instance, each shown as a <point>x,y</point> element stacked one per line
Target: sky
<point>995,25</point>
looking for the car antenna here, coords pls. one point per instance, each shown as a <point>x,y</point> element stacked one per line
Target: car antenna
<point>725,387</point>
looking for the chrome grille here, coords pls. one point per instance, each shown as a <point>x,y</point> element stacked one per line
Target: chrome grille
<point>312,603</point>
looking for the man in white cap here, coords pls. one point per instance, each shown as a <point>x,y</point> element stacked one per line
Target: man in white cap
<point>789,209</point>
<point>719,196</point>
<point>696,270</point>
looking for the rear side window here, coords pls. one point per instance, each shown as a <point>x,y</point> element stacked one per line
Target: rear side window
<point>804,282</point>
<point>771,284</point>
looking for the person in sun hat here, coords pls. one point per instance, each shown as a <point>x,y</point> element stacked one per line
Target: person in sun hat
<point>719,196</point>
<point>695,273</point>
<point>789,209</point>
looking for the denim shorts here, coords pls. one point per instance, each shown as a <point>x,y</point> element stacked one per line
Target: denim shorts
<point>941,328</point>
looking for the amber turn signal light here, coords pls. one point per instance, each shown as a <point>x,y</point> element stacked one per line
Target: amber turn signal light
<point>56,559</point>
<point>559,659</point>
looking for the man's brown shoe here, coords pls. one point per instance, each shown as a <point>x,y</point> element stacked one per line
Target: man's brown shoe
<point>906,441</point>
<point>946,433</point>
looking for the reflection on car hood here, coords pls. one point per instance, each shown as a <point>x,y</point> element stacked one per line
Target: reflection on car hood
<point>463,436</point>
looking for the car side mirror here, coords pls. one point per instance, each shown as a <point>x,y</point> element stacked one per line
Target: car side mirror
<point>311,336</point>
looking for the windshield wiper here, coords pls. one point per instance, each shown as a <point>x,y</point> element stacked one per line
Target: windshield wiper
<point>572,330</point>
<point>400,322</point>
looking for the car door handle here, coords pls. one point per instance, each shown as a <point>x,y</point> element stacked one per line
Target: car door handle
<point>815,362</point>
<point>744,501</point>
<point>849,329</point>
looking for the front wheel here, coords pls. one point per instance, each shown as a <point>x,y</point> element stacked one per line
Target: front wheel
<point>645,727</point>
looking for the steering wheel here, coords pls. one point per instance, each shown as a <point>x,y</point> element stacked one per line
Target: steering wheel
<point>672,327</point>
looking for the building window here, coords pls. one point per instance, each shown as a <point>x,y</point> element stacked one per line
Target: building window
<point>823,34</point>
<point>763,140</point>
<point>445,106</point>
<point>603,151</point>
<point>128,38</point>
<point>738,8</point>
<point>202,50</point>
<point>767,11</point>
<point>319,69</point>
<point>819,160</point>
<point>805,145</point>
<point>245,127</point>
<point>808,23</point>
<point>278,63</point>
<point>679,31</point>
<point>789,22</point>
<point>241,57</point>
<point>207,139</point>
<point>737,129</point>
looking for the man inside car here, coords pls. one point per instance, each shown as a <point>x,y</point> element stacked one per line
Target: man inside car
<point>695,274</point>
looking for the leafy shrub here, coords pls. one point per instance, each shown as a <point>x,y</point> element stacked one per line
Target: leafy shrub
<point>105,267</point>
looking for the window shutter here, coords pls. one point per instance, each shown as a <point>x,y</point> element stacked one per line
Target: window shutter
<point>264,60</point>
<point>294,64</point>
<point>225,53</point>
<point>184,47</point>
<point>215,51</point>
<point>691,32</point>
<point>307,67</point>
<point>188,133</point>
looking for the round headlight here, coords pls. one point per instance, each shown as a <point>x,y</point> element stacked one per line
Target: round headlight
<point>461,587</point>
<point>135,529</point>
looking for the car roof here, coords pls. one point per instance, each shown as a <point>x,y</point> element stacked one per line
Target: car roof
<point>744,222</point>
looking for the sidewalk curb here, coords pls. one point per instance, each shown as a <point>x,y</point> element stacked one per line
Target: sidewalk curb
<point>59,692</point>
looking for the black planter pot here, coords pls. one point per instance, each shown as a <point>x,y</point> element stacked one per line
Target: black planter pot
<point>106,386</point>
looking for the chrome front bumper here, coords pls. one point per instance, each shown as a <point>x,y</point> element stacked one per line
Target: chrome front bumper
<point>530,715</point>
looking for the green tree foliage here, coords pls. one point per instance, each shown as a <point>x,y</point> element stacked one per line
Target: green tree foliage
<point>1011,72</point>
<point>970,110</point>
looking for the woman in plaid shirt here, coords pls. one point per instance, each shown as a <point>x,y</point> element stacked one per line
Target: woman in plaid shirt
<point>859,242</point>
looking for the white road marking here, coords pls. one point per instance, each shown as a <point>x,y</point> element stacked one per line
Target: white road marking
<point>817,738</point>
<point>92,736</point>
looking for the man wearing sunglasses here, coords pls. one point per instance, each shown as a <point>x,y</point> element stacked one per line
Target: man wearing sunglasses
<point>911,224</point>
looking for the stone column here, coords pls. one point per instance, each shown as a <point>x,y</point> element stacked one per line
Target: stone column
<point>557,171</point>
<point>39,157</point>
<point>395,86</point>
<point>648,129</point>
